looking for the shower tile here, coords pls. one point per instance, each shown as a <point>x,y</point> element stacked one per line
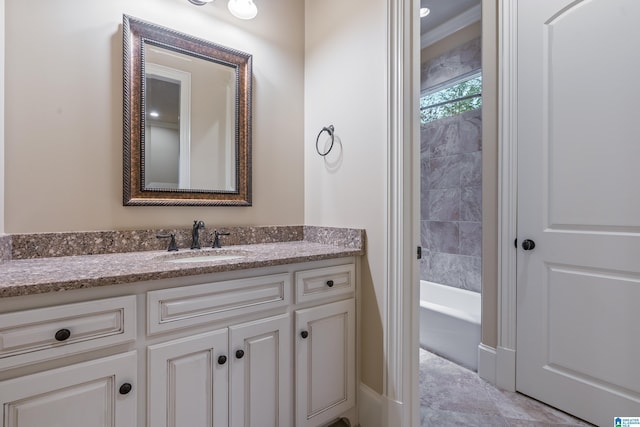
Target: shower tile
<point>425,265</point>
<point>446,138</point>
<point>470,238</point>
<point>471,169</point>
<point>470,270</point>
<point>444,172</point>
<point>424,232</point>
<point>445,269</point>
<point>443,236</point>
<point>471,131</point>
<point>424,188</point>
<point>444,205</point>
<point>471,204</point>
<point>426,133</point>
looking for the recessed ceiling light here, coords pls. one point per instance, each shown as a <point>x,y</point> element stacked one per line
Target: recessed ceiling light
<point>424,11</point>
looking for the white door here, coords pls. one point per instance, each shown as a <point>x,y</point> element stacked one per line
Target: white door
<point>578,290</point>
<point>99,393</point>
<point>188,381</point>
<point>325,362</point>
<point>260,373</point>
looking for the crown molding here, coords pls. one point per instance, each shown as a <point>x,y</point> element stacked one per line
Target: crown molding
<point>466,18</point>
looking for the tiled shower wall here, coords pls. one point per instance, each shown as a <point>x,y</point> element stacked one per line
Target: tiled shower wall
<point>451,190</point>
<point>451,204</point>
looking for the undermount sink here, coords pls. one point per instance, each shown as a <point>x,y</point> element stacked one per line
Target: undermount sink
<point>191,258</point>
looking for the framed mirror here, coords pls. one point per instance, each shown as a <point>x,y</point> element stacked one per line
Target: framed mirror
<point>187,119</point>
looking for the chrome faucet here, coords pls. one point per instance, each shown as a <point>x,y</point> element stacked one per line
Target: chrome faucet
<point>195,234</point>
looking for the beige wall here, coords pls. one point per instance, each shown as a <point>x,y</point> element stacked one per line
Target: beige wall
<point>490,172</point>
<point>63,139</point>
<point>2,50</point>
<point>346,86</point>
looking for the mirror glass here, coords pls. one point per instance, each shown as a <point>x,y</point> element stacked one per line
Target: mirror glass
<point>187,128</point>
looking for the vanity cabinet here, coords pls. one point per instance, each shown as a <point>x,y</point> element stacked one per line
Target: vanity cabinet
<point>268,347</point>
<point>98,393</point>
<point>325,345</point>
<point>235,376</point>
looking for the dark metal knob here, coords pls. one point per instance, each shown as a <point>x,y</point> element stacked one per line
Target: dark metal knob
<point>239,354</point>
<point>330,283</point>
<point>304,334</point>
<point>222,360</point>
<point>125,388</point>
<point>62,335</point>
<point>528,245</point>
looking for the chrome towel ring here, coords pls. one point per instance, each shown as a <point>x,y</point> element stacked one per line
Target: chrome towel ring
<point>329,130</point>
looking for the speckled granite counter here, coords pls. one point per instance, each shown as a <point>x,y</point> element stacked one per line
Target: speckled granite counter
<point>51,274</point>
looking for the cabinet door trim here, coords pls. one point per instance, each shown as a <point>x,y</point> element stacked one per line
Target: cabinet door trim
<point>175,308</point>
<point>342,312</point>
<point>113,371</point>
<point>28,336</point>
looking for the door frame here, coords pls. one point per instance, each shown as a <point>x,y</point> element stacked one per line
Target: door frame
<point>400,398</point>
<point>507,193</point>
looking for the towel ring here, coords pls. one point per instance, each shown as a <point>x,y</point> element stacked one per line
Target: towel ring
<point>329,130</point>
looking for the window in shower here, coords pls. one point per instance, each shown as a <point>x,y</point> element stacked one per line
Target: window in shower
<point>455,98</point>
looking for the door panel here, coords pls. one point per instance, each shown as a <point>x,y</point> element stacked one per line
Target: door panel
<point>325,362</point>
<point>81,395</point>
<point>188,382</point>
<point>260,381</point>
<point>578,199</point>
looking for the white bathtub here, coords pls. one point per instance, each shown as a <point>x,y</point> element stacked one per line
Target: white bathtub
<point>450,323</point>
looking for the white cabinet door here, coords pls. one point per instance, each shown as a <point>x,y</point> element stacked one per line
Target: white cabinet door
<point>325,362</point>
<point>89,394</point>
<point>187,384</point>
<point>260,376</point>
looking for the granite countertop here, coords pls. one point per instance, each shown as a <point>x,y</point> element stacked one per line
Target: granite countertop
<point>52,274</point>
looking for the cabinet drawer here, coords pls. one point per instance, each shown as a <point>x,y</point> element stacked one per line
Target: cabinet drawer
<point>325,282</point>
<point>46,333</point>
<point>175,308</point>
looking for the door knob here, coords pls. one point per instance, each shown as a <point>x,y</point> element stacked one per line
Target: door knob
<point>528,245</point>
<point>62,335</point>
<point>125,388</point>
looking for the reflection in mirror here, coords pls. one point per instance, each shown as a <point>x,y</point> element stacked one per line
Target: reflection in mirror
<point>187,128</point>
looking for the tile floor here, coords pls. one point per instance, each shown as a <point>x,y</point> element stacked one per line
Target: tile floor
<point>451,395</point>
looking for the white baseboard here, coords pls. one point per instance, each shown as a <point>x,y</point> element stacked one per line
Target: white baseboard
<point>369,407</point>
<point>497,366</point>
<point>487,363</point>
<point>506,369</point>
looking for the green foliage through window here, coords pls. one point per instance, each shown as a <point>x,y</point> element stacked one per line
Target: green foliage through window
<point>455,99</point>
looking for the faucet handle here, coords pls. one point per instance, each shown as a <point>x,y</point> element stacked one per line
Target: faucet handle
<point>172,244</point>
<point>216,238</point>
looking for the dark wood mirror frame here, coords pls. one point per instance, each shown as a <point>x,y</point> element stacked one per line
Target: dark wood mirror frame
<point>135,34</point>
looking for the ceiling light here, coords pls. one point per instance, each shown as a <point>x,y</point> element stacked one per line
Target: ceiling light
<point>155,113</point>
<point>424,11</point>
<point>200,2</point>
<point>243,9</point>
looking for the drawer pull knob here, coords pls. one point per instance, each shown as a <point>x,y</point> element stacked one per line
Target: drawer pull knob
<point>222,360</point>
<point>239,354</point>
<point>62,335</point>
<point>330,283</point>
<point>125,388</point>
<point>304,334</point>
